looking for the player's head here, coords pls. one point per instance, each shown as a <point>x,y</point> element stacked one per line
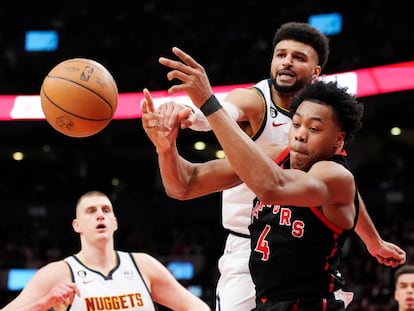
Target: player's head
<point>404,287</point>
<point>300,51</point>
<point>325,117</point>
<point>94,211</point>
<point>304,33</point>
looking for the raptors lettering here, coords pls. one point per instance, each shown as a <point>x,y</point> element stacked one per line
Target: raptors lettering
<point>113,302</point>
<point>285,215</point>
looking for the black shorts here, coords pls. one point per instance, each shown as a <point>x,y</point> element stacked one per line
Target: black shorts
<point>330,304</point>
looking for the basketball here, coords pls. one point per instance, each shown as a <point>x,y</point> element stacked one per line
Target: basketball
<point>79,97</point>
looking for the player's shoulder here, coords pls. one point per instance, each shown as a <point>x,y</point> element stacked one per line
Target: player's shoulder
<point>143,257</point>
<point>58,269</point>
<point>149,265</point>
<point>56,265</point>
<point>332,170</point>
<point>246,98</point>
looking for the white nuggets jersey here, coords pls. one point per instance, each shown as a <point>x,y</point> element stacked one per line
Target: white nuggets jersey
<point>122,289</point>
<point>237,202</point>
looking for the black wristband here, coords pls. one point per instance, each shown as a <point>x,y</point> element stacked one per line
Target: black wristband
<point>211,105</point>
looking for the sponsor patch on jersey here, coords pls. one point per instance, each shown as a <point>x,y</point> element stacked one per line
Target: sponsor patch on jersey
<point>82,273</point>
<point>273,112</point>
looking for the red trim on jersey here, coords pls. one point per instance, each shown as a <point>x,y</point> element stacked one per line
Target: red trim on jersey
<point>325,220</point>
<point>282,156</point>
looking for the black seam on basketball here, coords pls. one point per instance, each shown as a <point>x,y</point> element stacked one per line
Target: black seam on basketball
<point>90,90</point>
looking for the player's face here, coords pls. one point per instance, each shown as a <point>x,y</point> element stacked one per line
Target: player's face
<point>95,217</point>
<point>293,64</point>
<point>314,135</point>
<point>404,291</point>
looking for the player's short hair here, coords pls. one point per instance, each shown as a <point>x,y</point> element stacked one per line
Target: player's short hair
<point>91,193</point>
<point>305,33</point>
<point>404,269</point>
<point>348,110</point>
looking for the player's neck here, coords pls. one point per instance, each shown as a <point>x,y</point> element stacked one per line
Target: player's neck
<point>282,100</point>
<point>99,259</point>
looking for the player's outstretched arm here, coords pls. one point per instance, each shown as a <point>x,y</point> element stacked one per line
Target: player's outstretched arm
<point>182,179</point>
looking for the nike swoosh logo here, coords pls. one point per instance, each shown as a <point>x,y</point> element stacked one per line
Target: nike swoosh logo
<point>278,124</point>
<point>87,282</point>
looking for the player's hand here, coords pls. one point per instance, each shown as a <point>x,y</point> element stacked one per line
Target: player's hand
<point>156,126</point>
<point>388,254</point>
<point>174,113</point>
<point>62,294</point>
<point>192,75</point>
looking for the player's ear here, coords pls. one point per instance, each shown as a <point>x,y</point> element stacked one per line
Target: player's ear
<point>316,71</point>
<point>75,225</point>
<point>340,141</point>
<point>116,223</point>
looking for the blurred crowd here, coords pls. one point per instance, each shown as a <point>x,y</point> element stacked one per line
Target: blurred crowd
<point>233,40</point>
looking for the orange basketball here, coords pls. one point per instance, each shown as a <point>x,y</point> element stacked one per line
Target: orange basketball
<point>79,97</point>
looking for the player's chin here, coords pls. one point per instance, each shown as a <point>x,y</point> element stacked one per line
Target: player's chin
<point>288,87</point>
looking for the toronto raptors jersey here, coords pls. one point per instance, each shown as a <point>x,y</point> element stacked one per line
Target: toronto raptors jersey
<point>122,289</point>
<point>295,250</point>
<point>237,201</point>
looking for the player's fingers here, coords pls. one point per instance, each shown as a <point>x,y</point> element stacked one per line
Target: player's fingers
<point>144,106</point>
<point>71,296</point>
<point>170,114</point>
<point>76,290</point>
<point>185,124</point>
<point>165,109</point>
<point>179,75</point>
<point>154,121</point>
<point>186,58</point>
<point>177,88</point>
<point>174,113</point>
<point>186,66</point>
<point>178,67</point>
<point>187,118</point>
<point>393,263</point>
<point>148,99</point>
<point>401,253</point>
<point>380,259</point>
<point>185,114</point>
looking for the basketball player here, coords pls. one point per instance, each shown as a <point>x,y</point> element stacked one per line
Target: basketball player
<point>99,277</point>
<point>404,288</point>
<point>262,111</point>
<point>304,209</point>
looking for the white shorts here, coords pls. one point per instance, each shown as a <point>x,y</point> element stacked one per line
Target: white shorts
<point>235,289</point>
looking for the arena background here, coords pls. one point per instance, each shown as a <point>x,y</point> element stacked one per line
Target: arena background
<point>232,39</point>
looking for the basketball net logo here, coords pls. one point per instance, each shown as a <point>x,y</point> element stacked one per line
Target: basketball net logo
<point>86,73</point>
